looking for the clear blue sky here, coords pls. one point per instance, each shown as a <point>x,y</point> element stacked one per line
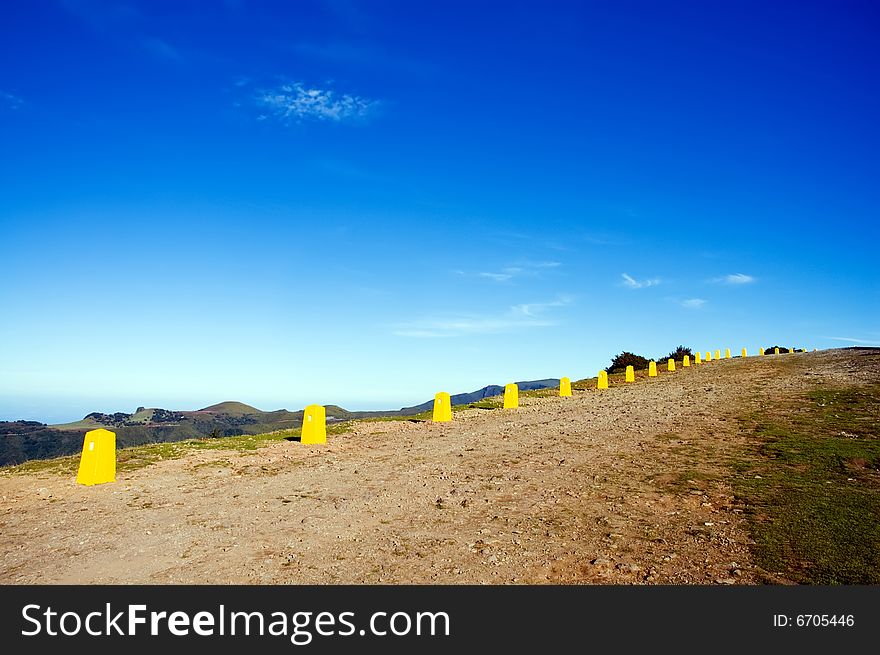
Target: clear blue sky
<point>364,203</point>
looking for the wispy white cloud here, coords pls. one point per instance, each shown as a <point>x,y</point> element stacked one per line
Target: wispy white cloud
<point>293,101</point>
<point>630,282</point>
<point>10,101</point>
<point>161,49</point>
<point>503,275</point>
<point>863,342</point>
<point>522,269</point>
<point>517,317</point>
<point>734,278</point>
<point>537,308</point>
<point>692,303</point>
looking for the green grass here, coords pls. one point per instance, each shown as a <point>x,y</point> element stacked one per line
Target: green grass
<point>137,457</point>
<point>811,484</point>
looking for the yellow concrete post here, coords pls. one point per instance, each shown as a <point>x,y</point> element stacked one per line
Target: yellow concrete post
<point>708,356</point>
<point>697,359</point>
<point>442,408</point>
<point>744,353</point>
<point>602,382</point>
<point>314,428</point>
<point>717,354</point>
<point>727,353</point>
<point>686,361</point>
<point>760,351</point>
<point>776,351</point>
<point>511,396</point>
<point>564,387</point>
<point>97,464</point>
<point>652,369</point>
<point>670,365</point>
<point>630,374</point>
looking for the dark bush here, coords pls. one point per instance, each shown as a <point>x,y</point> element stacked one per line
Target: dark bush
<point>624,359</point>
<point>770,351</point>
<point>678,354</point>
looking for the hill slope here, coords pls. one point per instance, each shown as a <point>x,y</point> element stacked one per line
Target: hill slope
<point>642,483</point>
<point>21,441</point>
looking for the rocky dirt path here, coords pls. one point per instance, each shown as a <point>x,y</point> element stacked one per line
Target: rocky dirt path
<point>627,485</point>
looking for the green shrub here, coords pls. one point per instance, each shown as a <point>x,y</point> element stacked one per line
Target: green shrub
<point>678,354</point>
<point>624,359</point>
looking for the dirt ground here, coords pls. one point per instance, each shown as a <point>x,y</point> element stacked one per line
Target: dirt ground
<point>622,486</point>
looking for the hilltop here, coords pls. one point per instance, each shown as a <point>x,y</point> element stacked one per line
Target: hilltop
<point>743,471</point>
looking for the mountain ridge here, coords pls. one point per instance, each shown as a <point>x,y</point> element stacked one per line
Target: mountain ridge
<point>21,441</point>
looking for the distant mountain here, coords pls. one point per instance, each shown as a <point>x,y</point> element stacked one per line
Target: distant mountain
<point>231,407</point>
<point>24,440</point>
<point>480,394</point>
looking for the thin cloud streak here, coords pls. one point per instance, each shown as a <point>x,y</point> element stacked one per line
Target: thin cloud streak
<point>734,278</point>
<point>864,342</point>
<point>630,282</point>
<point>524,269</point>
<point>10,100</point>
<point>692,303</point>
<point>517,317</point>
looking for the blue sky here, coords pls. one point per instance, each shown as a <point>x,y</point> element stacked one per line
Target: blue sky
<point>363,203</point>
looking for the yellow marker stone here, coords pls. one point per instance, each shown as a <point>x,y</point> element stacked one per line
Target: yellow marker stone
<point>776,351</point>
<point>744,354</point>
<point>686,361</point>
<point>564,387</point>
<point>727,353</point>
<point>670,365</point>
<point>602,382</point>
<point>442,408</point>
<point>652,369</point>
<point>97,464</point>
<point>630,374</point>
<point>760,351</point>
<point>717,354</point>
<point>314,428</point>
<point>697,359</point>
<point>511,396</point>
<point>708,356</point>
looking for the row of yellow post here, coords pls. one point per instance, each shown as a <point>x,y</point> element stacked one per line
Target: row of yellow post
<point>98,460</point>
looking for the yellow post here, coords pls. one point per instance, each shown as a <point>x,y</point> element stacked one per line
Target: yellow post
<point>442,408</point>
<point>776,351</point>
<point>511,396</point>
<point>727,353</point>
<point>97,464</point>
<point>630,374</point>
<point>686,361</point>
<point>697,359</point>
<point>602,382</point>
<point>670,365</point>
<point>760,351</point>
<point>708,356</point>
<point>815,350</point>
<point>717,354</point>
<point>564,387</point>
<point>652,369</point>
<point>744,354</point>
<point>314,428</point>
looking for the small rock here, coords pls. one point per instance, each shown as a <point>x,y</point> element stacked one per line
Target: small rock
<point>601,561</point>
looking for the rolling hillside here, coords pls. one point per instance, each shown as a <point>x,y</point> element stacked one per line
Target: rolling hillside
<point>21,441</point>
